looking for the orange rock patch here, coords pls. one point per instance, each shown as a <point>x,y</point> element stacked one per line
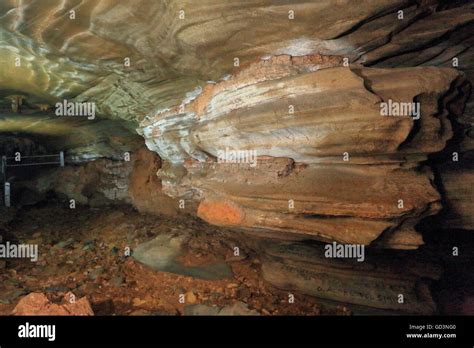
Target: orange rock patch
<point>221,212</point>
<point>39,304</point>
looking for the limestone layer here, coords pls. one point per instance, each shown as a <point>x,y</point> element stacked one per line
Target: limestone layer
<point>328,164</point>
<point>379,285</point>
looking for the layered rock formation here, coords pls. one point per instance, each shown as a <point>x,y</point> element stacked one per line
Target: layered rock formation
<point>377,285</point>
<point>292,92</point>
<point>329,165</point>
<point>78,50</point>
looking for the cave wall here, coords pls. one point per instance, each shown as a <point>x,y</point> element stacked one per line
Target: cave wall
<point>297,85</point>
<point>343,166</point>
<point>102,182</point>
<point>192,91</point>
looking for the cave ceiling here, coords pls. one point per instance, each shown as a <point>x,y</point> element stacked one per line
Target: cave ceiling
<point>133,58</point>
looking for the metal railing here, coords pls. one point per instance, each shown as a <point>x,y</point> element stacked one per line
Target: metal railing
<point>18,159</point>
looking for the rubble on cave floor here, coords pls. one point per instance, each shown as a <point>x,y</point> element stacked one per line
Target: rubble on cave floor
<point>85,252</point>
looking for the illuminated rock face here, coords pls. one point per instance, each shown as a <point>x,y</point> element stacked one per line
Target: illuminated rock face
<point>133,56</point>
<point>278,118</point>
<point>270,80</point>
<point>329,165</point>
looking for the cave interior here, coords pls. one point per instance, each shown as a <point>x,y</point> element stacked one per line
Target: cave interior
<point>201,158</point>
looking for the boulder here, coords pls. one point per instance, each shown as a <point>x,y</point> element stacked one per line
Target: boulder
<point>39,304</point>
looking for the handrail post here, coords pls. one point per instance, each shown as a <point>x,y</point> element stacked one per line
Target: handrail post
<point>61,158</point>
<point>7,194</point>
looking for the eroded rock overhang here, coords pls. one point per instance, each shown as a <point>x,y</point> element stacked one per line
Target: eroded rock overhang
<point>329,165</point>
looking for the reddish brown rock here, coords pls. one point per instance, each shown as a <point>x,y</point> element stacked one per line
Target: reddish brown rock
<point>39,304</point>
<point>221,212</point>
<point>333,169</point>
<point>145,187</point>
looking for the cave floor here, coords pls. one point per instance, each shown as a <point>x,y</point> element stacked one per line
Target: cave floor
<point>82,251</point>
